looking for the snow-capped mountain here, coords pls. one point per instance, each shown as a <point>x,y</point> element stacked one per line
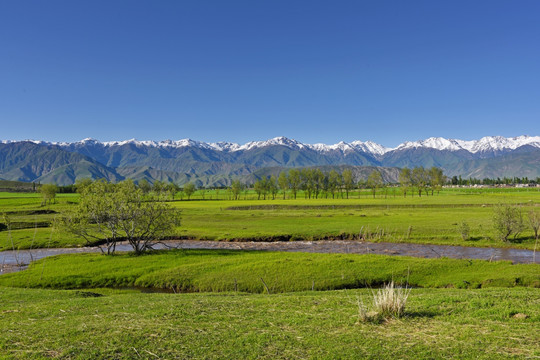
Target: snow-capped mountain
<point>182,160</point>
<point>485,144</point>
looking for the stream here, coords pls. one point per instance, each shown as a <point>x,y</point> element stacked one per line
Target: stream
<point>11,261</point>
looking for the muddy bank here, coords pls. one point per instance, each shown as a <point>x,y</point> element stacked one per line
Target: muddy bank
<point>18,260</point>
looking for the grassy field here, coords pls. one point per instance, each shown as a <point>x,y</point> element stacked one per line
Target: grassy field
<point>125,324</point>
<point>239,304</point>
<point>429,219</point>
<point>257,272</point>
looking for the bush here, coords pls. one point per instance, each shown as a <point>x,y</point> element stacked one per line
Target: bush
<point>464,230</point>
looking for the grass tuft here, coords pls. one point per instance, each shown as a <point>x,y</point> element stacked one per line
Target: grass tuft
<point>390,300</point>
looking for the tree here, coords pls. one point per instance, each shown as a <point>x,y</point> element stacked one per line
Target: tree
<point>334,180</point>
<point>202,191</point>
<point>272,186</point>
<point>294,181</point>
<point>236,189</point>
<point>318,178</point>
<point>158,187</point>
<point>307,182</point>
<point>405,180</point>
<point>348,181</point>
<point>374,181</point>
<point>80,184</point>
<point>261,188</point>
<point>436,179</point>
<point>144,185</point>
<point>48,193</point>
<point>108,213</point>
<point>507,221</point>
<point>420,178</point>
<point>534,222</point>
<point>189,189</point>
<point>283,182</point>
<point>172,189</point>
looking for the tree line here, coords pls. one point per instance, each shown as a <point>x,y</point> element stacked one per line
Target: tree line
<point>312,183</point>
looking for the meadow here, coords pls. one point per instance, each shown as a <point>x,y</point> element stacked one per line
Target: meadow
<point>387,217</point>
<point>252,304</point>
<point>126,324</point>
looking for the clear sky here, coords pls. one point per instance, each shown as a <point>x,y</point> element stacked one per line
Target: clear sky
<point>315,71</point>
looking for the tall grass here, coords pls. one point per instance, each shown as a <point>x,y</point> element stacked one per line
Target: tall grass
<point>390,301</point>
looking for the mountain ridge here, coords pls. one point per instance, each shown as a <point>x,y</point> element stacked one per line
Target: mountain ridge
<point>487,143</point>
<point>219,163</point>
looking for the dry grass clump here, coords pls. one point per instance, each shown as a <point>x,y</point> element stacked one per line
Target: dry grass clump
<point>388,302</point>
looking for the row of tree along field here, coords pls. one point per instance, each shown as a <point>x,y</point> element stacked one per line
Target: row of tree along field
<point>312,183</point>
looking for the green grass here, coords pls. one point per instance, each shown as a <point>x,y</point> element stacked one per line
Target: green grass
<point>429,219</point>
<point>218,271</point>
<point>438,323</point>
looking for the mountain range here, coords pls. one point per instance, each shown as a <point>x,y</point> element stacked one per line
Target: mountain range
<point>210,164</point>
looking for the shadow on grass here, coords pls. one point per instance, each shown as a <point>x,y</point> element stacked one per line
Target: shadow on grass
<point>420,314</point>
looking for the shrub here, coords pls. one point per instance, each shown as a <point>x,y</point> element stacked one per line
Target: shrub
<point>464,230</point>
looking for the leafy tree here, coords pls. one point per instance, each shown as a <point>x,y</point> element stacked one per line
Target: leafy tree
<point>158,187</point>
<point>317,178</point>
<point>108,213</point>
<point>295,181</point>
<point>507,221</point>
<point>283,182</point>
<point>334,180</point>
<point>405,180</point>
<point>420,178</point>
<point>436,179</point>
<point>273,186</point>
<point>80,184</point>
<point>145,186</point>
<point>236,189</point>
<point>307,182</point>
<point>202,191</point>
<point>261,188</point>
<point>348,181</point>
<point>374,181</point>
<point>48,193</point>
<point>534,222</point>
<point>172,189</point>
<point>189,189</point>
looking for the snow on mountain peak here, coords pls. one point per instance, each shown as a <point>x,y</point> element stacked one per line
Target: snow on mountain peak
<point>486,144</point>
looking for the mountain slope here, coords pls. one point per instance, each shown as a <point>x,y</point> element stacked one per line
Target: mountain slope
<point>206,164</point>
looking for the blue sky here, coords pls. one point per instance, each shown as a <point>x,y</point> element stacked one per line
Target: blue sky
<point>315,71</point>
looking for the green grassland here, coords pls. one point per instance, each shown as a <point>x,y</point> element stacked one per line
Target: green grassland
<point>250,271</point>
<point>427,219</point>
<point>125,324</point>
<point>254,304</point>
